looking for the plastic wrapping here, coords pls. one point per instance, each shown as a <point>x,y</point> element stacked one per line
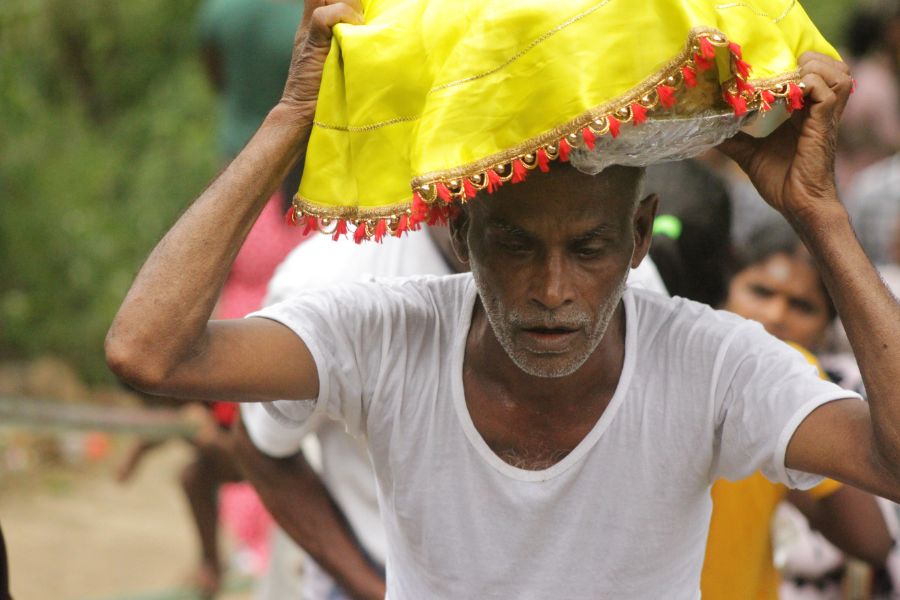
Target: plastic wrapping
<point>658,140</point>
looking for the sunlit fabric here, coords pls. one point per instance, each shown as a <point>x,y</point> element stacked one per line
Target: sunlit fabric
<point>427,90</point>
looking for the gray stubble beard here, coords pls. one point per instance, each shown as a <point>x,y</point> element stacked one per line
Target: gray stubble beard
<point>502,322</point>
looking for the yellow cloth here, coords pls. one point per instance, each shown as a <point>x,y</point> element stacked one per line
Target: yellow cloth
<point>738,563</point>
<point>428,91</point>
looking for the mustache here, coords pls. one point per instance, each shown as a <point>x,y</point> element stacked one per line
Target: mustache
<point>569,320</point>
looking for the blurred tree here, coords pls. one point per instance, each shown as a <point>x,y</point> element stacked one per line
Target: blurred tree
<point>106,133</point>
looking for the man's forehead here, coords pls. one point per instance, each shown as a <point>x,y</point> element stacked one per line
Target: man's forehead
<point>565,198</point>
<point>587,227</point>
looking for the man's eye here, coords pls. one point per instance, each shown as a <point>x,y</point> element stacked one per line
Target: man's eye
<point>514,246</point>
<point>589,251</point>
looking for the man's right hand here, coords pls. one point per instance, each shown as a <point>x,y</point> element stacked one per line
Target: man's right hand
<point>311,46</point>
<point>162,340</point>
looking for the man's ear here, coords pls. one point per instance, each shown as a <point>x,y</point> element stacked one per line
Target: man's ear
<point>459,235</point>
<point>643,228</point>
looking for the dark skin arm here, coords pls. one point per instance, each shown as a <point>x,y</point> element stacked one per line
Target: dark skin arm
<point>793,169</point>
<point>162,340</point>
<point>299,501</point>
<point>850,519</point>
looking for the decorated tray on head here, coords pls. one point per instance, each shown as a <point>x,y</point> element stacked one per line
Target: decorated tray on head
<point>430,103</point>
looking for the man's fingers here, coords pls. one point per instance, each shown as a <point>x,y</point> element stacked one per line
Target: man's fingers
<point>824,103</point>
<point>818,71</point>
<point>325,17</point>
<point>738,148</point>
<point>807,57</point>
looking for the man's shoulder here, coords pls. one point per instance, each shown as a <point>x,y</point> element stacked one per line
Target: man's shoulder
<point>444,296</point>
<point>683,321</point>
<point>321,262</point>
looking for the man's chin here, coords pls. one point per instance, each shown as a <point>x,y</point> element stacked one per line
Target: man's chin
<point>548,365</point>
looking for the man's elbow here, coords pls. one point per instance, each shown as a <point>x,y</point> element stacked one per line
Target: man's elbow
<point>130,363</point>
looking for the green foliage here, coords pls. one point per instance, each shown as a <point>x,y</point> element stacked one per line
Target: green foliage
<point>830,16</point>
<point>107,132</point>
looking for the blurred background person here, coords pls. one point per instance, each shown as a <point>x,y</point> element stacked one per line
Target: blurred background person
<point>779,286</point>
<point>693,250</point>
<point>870,126</point>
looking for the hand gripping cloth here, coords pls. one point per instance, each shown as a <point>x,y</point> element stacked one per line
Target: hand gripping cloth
<point>430,103</point>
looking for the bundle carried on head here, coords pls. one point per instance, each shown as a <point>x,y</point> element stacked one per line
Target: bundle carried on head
<point>430,103</point>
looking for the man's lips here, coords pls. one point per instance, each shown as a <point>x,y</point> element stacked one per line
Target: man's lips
<point>549,339</point>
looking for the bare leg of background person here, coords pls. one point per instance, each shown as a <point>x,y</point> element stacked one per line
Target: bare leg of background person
<point>201,479</point>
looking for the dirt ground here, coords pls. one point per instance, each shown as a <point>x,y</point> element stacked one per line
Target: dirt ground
<point>76,534</point>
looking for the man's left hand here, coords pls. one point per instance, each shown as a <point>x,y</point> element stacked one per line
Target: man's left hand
<point>793,168</point>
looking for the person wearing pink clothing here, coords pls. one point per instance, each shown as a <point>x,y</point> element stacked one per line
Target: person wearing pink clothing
<point>215,488</point>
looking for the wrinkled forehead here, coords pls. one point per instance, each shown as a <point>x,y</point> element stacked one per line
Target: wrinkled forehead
<point>564,199</point>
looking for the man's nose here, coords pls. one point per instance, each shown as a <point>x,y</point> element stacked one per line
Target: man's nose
<point>553,285</point>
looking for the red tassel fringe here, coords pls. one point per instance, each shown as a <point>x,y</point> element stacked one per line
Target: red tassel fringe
<point>469,189</point>
<point>689,75</point>
<point>703,63</point>
<point>311,224</point>
<point>564,150</point>
<point>543,160</point>
<point>766,98</point>
<point>638,114</point>
<point>614,125</point>
<point>738,103</point>
<point>742,68</point>
<point>340,229</point>
<point>519,171</point>
<point>744,87</point>
<point>444,193</point>
<point>360,234</point>
<point>402,225</point>
<point>380,230</point>
<point>666,95</point>
<point>795,97</point>
<point>590,140</point>
<point>290,217</point>
<point>419,208</point>
<point>494,181</point>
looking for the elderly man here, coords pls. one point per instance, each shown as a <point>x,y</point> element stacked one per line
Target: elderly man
<point>537,429</point>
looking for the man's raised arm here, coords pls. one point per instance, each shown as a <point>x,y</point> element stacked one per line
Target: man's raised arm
<point>161,340</point>
<point>793,169</point>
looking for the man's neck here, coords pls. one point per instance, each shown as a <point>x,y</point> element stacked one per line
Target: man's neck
<point>534,422</point>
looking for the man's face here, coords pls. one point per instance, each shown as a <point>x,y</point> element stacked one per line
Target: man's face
<point>550,257</point>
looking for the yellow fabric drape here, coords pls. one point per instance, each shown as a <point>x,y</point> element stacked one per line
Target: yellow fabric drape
<point>429,89</point>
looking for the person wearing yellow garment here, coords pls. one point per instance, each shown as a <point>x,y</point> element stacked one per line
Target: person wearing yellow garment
<point>780,287</point>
